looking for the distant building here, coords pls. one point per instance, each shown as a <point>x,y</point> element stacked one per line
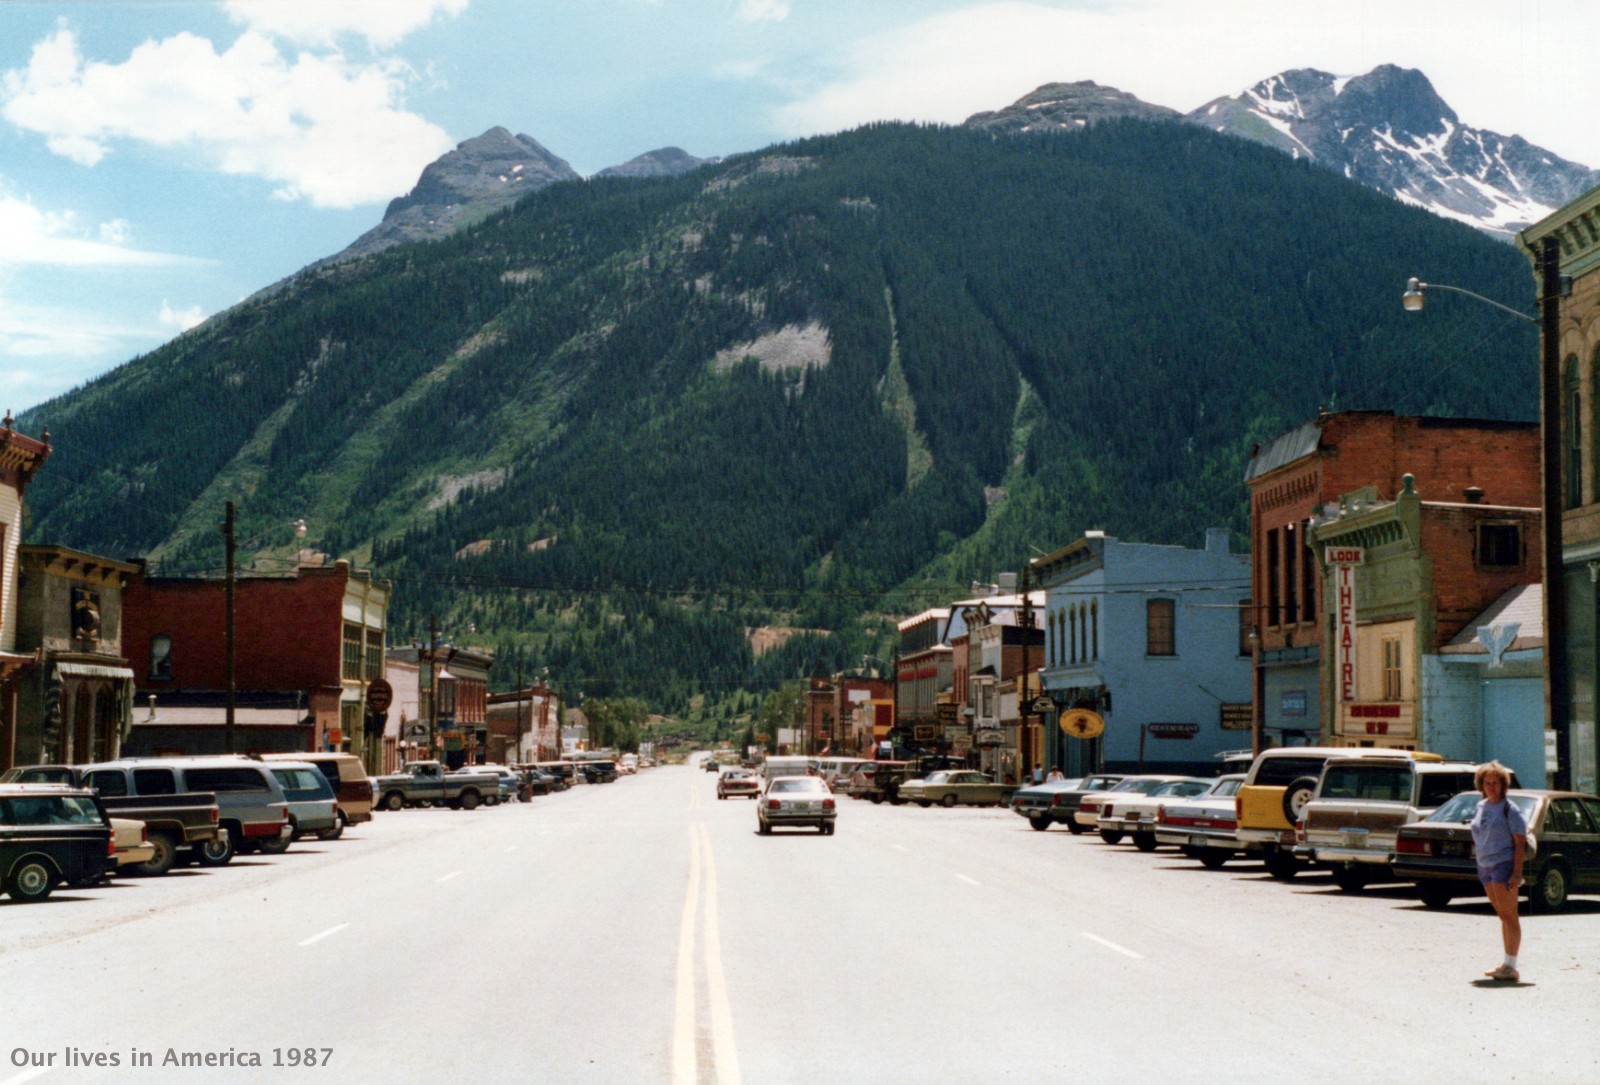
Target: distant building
<point>923,672</point>
<point>1149,638</point>
<point>832,704</point>
<point>996,639</point>
<point>522,725</point>
<point>457,721</point>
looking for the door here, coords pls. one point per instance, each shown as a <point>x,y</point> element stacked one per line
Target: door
<point>1513,727</point>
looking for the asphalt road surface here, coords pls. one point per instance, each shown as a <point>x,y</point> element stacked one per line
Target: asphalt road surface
<point>642,932</point>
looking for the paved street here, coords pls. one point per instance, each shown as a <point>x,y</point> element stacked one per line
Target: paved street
<point>642,932</point>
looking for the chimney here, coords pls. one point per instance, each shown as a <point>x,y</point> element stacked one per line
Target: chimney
<point>1007,583</point>
<point>1473,494</point>
<point>1217,540</point>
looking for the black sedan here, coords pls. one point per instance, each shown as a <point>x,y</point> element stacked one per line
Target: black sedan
<point>1437,853</point>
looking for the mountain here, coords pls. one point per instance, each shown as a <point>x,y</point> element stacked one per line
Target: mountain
<point>665,162</point>
<point>1057,107</point>
<point>481,176</point>
<point>618,425</point>
<point>1390,130</point>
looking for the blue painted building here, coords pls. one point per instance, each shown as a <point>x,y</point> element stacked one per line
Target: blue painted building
<point>1155,640</point>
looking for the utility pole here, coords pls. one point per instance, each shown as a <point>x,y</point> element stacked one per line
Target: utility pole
<point>227,597</point>
<point>1555,581</point>
<point>433,687</point>
<point>1025,698</point>
<point>519,710</point>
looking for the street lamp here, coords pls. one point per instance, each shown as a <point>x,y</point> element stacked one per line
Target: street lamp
<point>1553,286</point>
<point>1413,297</point>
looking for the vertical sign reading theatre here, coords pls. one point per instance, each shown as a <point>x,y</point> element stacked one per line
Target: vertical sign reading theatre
<point>1343,561</point>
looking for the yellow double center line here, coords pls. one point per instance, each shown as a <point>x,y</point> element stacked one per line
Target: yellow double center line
<point>722,1055</point>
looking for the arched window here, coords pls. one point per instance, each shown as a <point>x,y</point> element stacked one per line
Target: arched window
<point>1573,482</point>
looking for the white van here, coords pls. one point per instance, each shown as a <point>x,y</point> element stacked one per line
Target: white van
<point>788,766</point>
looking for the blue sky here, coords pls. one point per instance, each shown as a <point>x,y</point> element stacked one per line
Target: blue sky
<point>161,161</point>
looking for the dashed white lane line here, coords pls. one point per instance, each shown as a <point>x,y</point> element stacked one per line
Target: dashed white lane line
<point>1113,946</point>
<point>969,881</point>
<point>511,849</point>
<point>447,877</point>
<point>325,934</point>
<point>900,847</point>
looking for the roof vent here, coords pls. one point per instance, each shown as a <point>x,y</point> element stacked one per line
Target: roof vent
<point>1473,494</point>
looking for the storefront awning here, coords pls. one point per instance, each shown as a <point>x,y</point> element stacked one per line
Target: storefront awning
<point>93,670</point>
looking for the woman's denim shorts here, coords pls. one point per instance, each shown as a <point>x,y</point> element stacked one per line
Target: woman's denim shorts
<point>1498,874</point>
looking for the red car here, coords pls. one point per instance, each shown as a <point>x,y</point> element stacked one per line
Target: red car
<point>738,782</point>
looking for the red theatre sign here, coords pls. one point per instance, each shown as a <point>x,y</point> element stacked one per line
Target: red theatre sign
<point>1343,561</point>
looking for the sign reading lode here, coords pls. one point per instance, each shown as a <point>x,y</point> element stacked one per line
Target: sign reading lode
<point>1343,560</point>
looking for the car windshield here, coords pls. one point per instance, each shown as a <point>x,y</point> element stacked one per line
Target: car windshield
<point>1223,788</point>
<point>1460,809</point>
<point>1180,788</point>
<point>53,810</point>
<point>797,783</point>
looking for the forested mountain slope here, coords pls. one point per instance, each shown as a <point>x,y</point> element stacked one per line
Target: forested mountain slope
<point>621,422</point>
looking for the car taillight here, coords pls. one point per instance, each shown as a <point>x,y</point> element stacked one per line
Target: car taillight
<point>1238,808</point>
<point>144,834</point>
<point>1061,800</point>
<point>111,844</point>
<point>827,804</point>
<point>1413,845</point>
<point>773,804</point>
<point>216,815</point>
<point>1300,832</point>
<point>1161,815</point>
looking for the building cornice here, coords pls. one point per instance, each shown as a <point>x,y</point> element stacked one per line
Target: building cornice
<point>1576,227</point>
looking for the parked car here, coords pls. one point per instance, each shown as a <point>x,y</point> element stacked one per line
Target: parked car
<point>738,782</point>
<point>253,810</point>
<point>598,772</point>
<point>561,771</point>
<point>130,842</point>
<point>349,780</point>
<point>838,770</point>
<point>796,800</point>
<point>880,780</point>
<point>1055,801</point>
<point>952,787</point>
<point>1203,826</point>
<point>1360,803</point>
<point>423,782</point>
<point>1277,787</point>
<point>532,781</point>
<point>1437,854</point>
<point>1088,812</point>
<point>51,834</point>
<point>312,806</point>
<point>1135,814</point>
<point>178,825</point>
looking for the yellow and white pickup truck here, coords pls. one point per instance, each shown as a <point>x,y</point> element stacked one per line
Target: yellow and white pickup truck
<point>1275,791</point>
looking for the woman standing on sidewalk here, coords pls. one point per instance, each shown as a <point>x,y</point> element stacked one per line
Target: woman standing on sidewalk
<point>1500,839</point>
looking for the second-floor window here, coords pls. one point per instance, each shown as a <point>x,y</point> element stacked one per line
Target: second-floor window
<point>161,657</point>
<point>351,668</point>
<point>374,659</point>
<point>1160,634</point>
<point>1391,669</point>
<point>1499,544</point>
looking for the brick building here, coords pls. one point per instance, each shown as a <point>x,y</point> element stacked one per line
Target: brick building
<point>1293,478</point>
<point>1406,577</point>
<point>992,649</point>
<point>923,672</point>
<point>523,725</point>
<point>305,644</point>
<point>457,720</point>
<point>832,706</point>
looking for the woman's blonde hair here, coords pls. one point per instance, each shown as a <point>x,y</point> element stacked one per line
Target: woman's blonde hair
<point>1493,768</point>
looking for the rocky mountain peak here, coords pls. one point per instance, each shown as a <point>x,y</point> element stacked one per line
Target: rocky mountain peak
<point>1057,107</point>
<point>662,162</point>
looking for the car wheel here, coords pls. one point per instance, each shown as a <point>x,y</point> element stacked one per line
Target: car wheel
<point>1041,824</point>
<point>1434,894</point>
<point>1005,798</point>
<point>163,860</point>
<point>1549,890</point>
<point>876,799</point>
<point>1144,841</point>
<point>1281,864</point>
<point>334,833</point>
<point>948,801</point>
<point>924,803</point>
<point>273,845</point>
<point>1075,829</point>
<point>1296,795</point>
<point>763,828</point>
<point>1213,858</point>
<point>394,801</point>
<point>214,852</point>
<point>1110,836</point>
<point>469,800</point>
<point>31,880</point>
<point>721,796</point>
<point>1350,877</point>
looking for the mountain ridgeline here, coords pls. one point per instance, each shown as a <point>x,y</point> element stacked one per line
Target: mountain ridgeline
<point>622,422</point>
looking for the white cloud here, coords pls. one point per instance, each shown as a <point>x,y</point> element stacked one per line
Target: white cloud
<point>321,127</point>
<point>181,319</point>
<point>30,236</point>
<point>754,11</point>
<point>321,22</point>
